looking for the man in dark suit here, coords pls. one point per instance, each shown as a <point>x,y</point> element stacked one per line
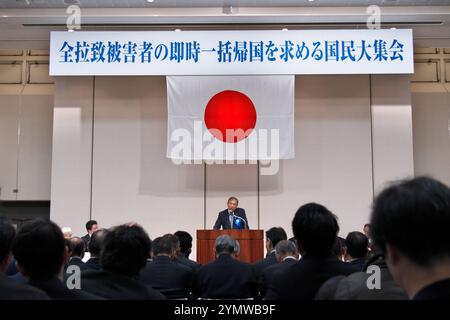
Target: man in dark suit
<point>184,250</point>
<point>9,288</point>
<point>273,237</point>
<point>286,254</point>
<point>76,252</point>
<point>315,229</point>
<point>226,277</point>
<point>125,252</point>
<point>356,247</point>
<point>232,217</point>
<point>95,247</point>
<point>163,273</point>
<point>410,223</point>
<point>91,227</point>
<point>41,255</point>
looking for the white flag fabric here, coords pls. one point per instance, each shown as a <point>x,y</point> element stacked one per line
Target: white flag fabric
<point>230,117</point>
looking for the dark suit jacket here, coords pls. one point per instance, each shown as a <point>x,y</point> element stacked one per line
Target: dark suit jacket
<point>181,258</point>
<point>223,219</point>
<point>57,290</point>
<point>169,277</point>
<point>112,285</point>
<point>76,261</point>
<point>12,290</point>
<point>92,263</point>
<point>267,279</point>
<point>226,278</point>
<point>261,265</point>
<point>302,280</point>
<point>86,239</point>
<point>439,290</point>
<point>354,286</point>
<point>358,263</point>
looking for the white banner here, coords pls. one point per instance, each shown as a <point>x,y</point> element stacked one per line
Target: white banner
<point>382,51</point>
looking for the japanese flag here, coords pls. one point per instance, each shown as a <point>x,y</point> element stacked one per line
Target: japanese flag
<point>230,117</point>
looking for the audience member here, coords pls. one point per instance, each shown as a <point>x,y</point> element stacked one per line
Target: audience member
<point>226,277</point>
<point>315,229</point>
<point>410,223</point>
<point>124,254</point>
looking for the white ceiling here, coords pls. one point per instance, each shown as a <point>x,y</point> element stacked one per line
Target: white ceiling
<point>26,26</point>
<point>19,4</point>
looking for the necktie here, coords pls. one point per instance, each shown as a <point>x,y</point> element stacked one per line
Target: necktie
<point>231,219</point>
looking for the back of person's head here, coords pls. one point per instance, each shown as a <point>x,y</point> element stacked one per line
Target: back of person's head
<point>407,209</point>
<point>126,250</point>
<point>90,224</point>
<point>174,240</point>
<point>76,247</point>
<point>275,235</point>
<point>315,229</point>
<point>338,248</point>
<point>162,246</point>
<point>39,249</point>
<point>356,243</point>
<point>225,244</point>
<point>285,248</point>
<point>7,233</point>
<point>97,241</point>
<point>185,241</point>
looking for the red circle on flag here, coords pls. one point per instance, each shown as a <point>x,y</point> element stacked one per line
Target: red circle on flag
<point>230,116</point>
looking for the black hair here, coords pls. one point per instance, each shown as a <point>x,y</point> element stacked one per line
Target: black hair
<point>97,241</point>
<point>76,247</point>
<point>185,241</point>
<point>275,235</point>
<point>407,209</point>
<point>315,228</point>
<point>90,224</point>
<point>126,250</point>
<point>356,243</point>
<point>39,248</point>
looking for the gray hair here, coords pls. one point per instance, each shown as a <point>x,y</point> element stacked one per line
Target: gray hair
<point>237,247</point>
<point>225,244</point>
<point>285,247</point>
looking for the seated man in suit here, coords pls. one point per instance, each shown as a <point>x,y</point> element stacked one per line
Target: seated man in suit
<point>164,273</point>
<point>315,229</point>
<point>125,252</point>
<point>286,254</point>
<point>356,247</point>
<point>232,217</point>
<point>91,227</point>
<point>95,247</point>
<point>9,288</point>
<point>410,223</point>
<point>41,254</point>
<point>76,252</point>
<point>226,277</point>
<point>273,236</point>
<point>184,250</point>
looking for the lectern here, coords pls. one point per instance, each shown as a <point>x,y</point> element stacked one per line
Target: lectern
<point>250,241</point>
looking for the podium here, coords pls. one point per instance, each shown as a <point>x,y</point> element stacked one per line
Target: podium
<point>250,241</point>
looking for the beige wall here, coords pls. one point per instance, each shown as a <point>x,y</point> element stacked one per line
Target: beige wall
<point>133,181</point>
<point>431,124</point>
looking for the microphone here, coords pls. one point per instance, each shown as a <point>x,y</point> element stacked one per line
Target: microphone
<point>238,221</point>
